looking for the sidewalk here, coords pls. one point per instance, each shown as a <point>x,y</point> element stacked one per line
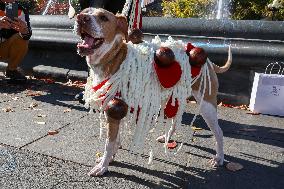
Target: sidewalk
<point>30,158</point>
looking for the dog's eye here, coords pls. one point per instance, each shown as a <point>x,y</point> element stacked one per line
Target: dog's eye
<point>103,18</point>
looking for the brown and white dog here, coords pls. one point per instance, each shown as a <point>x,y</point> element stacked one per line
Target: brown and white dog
<point>104,45</point>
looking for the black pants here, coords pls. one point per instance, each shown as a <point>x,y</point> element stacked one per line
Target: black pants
<point>113,6</point>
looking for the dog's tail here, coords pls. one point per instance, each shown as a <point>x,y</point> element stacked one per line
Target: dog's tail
<point>228,64</point>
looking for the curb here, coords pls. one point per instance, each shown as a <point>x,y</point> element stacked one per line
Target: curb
<point>59,74</point>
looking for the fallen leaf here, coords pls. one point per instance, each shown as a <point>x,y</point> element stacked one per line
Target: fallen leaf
<point>178,135</point>
<point>33,105</point>
<point>79,83</point>
<point>242,107</point>
<point>41,115</point>
<point>193,139</point>
<point>8,109</point>
<point>15,98</point>
<point>48,81</point>
<point>98,154</point>
<point>67,110</point>
<point>31,93</point>
<point>253,113</point>
<point>196,128</point>
<point>40,122</point>
<point>234,166</point>
<point>53,132</point>
<point>152,130</point>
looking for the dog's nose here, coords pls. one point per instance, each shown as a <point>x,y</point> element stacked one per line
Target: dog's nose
<point>83,18</point>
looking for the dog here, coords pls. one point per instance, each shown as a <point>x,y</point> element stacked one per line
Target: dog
<point>105,48</point>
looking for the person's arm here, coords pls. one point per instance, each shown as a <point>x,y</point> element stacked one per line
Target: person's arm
<point>22,24</point>
<point>27,35</point>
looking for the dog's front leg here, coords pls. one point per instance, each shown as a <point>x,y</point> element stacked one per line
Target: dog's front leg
<point>110,145</point>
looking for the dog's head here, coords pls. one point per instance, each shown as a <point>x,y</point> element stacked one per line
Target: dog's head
<point>100,31</point>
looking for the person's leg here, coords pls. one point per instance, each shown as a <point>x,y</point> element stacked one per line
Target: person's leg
<point>115,6</point>
<point>92,3</point>
<point>13,51</point>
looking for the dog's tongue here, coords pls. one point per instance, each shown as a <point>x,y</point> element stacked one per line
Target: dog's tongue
<point>87,42</point>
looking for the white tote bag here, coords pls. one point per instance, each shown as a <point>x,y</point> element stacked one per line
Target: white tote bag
<point>267,96</point>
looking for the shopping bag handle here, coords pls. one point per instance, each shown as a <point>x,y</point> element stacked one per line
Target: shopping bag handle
<point>273,64</point>
<point>282,68</point>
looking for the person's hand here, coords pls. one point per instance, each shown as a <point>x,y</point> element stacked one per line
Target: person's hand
<point>5,22</point>
<point>20,26</point>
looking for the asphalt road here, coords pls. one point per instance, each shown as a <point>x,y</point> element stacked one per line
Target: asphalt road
<point>30,158</point>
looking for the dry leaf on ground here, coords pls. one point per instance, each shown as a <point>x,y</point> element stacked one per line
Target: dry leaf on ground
<point>234,166</point>
<point>98,154</point>
<point>242,107</point>
<point>253,113</point>
<point>8,109</point>
<point>67,110</point>
<point>15,98</point>
<point>152,130</point>
<point>196,128</point>
<point>33,105</point>
<point>34,93</point>
<point>40,122</point>
<point>53,132</point>
<point>79,84</point>
<point>48,81</point>
<point>41,115</point>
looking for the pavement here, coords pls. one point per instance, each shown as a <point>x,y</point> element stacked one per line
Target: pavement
<point>31,158</point>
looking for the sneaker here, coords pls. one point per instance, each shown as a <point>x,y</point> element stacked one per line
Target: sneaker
<point>16,77</point>
<point>79,97</point>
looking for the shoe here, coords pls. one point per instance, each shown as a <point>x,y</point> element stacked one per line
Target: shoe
<point>80,97</point>
<point>16,77</point>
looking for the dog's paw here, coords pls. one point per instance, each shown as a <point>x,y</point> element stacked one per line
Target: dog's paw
<point>98,170</point>
<point>161,139</point>
<point>216,161</point>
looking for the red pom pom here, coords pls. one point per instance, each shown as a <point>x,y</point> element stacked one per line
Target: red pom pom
<point>189,46</point>
<point>197,57</point>
<point>164,57</point>
<point>116,109</point>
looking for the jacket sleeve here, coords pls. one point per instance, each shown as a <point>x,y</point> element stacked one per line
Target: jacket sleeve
<point>27,19</point>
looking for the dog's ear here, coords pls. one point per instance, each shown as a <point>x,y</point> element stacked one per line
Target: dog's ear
<point>122,25</point>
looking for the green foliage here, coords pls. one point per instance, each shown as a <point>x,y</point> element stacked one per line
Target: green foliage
<point>186,8</point>
<point>254,10</point>
<point>58,7</point>
<point>240,9</point>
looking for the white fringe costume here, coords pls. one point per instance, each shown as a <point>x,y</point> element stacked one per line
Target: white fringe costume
<point>139,86</point>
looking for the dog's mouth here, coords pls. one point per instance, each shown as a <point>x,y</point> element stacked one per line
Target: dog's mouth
<point>89,44</point>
